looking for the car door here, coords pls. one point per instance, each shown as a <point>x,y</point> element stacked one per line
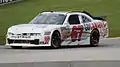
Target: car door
<point>76,27</point>
<point>86,21</point>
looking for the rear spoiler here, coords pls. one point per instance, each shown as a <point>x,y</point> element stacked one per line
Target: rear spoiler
<point>100,18</point>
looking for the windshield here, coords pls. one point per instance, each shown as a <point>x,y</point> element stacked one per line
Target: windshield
<point>50,18</point>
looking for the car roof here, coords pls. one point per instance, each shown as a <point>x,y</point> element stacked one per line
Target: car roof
<point>63,12</point>
<point>55,12</point>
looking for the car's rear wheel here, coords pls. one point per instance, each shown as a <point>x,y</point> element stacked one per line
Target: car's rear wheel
<point>94,38</point>
<point>16,47</point>
<point>56,40</point>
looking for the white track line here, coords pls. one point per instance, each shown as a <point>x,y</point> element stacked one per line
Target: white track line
<point>112,38</point>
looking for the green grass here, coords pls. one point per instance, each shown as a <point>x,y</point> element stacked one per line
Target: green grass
<point>23,12</point>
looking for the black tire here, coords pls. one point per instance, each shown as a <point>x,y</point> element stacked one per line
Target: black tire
<point>56,40</point>
<point>16,47</point>
<point>94,38</point>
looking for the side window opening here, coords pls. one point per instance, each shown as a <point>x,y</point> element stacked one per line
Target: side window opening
<point>85,19</point>
<point>73,19</point>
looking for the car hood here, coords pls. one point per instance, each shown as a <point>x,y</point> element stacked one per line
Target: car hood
<point>31,28</point>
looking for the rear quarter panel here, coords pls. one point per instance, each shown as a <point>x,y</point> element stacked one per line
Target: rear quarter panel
<point>102,26</point>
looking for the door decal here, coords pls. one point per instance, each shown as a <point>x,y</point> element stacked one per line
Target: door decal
<point>76,33</point>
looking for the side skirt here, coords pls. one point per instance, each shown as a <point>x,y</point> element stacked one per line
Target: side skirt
<point>81,42</point>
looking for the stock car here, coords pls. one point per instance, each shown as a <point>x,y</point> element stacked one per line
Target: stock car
<point>55,29</point>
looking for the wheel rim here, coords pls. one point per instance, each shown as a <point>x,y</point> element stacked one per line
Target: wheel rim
<point>56,41</point>
<point>95,38</point>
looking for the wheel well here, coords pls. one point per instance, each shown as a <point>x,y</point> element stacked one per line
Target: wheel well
<point>56,31</point>
<point>53,44</point>
<point>96,30</point>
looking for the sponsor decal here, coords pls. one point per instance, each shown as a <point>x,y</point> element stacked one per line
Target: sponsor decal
<point>98,25</point>
<point>94,25</point>
<point>65,32</point>
<point>76,32</point>
<point>46,39</point>
<point>87,27</point>
<point>20,36</point>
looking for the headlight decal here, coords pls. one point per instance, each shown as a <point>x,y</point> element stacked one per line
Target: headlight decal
<point>46,39</point>
<point>9,33</point>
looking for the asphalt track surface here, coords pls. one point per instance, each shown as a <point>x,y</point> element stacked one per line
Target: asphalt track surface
<point>109,49</point>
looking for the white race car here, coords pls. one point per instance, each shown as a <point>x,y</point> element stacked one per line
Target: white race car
<point>56,29</point>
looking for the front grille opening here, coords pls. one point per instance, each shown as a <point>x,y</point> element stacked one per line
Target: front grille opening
<point>25,34</point>
<point>36,41</point>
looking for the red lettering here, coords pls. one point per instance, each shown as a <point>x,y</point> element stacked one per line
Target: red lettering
<point>102,25</point>
<point>98,25</point>
<point>76,32</point>
<point>46,39</point>
<point>80,28</point>
<point>95,25</point>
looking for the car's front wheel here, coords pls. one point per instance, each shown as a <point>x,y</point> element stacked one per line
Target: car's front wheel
<point>56,40</point>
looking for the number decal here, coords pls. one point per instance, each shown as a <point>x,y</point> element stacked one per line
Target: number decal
<point>80,28</point>
<point>46,39</point>
<point>76,32</point>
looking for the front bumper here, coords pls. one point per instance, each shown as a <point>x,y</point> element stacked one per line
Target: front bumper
<point>27,45</point>
<point>26,42</point>
<point>35,41</point>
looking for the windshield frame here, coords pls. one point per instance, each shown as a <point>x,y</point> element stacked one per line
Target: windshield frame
<point>50,16</point>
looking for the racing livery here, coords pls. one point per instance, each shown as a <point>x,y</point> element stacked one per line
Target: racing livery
<point>56,29</point>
